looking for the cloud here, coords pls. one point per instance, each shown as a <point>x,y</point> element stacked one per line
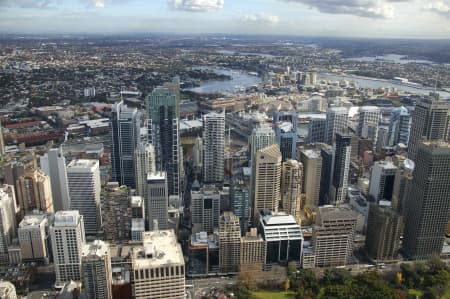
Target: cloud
<point>377,9</point>
<point>26,3</point>
<point>196,5</point>
<point>440,6</point>
<point>260,18</point>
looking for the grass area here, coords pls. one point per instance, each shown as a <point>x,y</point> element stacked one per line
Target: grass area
<point>273,295</point>
<point>416,293</point>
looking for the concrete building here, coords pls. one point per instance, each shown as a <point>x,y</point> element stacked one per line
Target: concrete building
<point>96,270</point>
<point>157,200</point>
<point>428,204</point>
<point>116,212</point>
<point>144,156</point>
<point>205,209</point>
<point>67,237</point>
<point>125,137</point>
<point>7,290</point>
<point>240,204</point>
<point>213,147</point>
<point>399,126</point>
<point>7,221</point>
<point>337,122</point>
<point>197,152</point>
<point>333,236</point>
<point>33,238</point>
<point>429,122</point>
<point>402,183</point>
<point>384,229</point>
<point>285,126</point>
<point>341,167</point>
<point>163,132</point>
<point>34,192</point>
<point>84,190</point>
<point>229,243</point>
<point>253,252</point>
<point>2,143</point>
<point>158,267</point>
<point>291,187</point>
<point>317,129</point>
<point>267,180</point>
<point>382,180</point>
<point>369,119</point>
<point>312,173</point>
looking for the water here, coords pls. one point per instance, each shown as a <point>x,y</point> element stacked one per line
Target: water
<point>239,81</point>
<point>389,58</point>
<point>379,83</point>
<point>228,52</point>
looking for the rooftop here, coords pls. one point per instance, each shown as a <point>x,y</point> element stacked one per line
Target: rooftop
<point>159,175</point>
<point>312,154</point>
<point>82,163</point>
<point>97,248</point>
<point>67,218</point>
<point>32,220</point>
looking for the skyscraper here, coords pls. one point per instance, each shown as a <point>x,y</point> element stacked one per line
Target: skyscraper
<point>125,133</point>
<point>317,130</point>
<point>382,181</point>
<point>399,126</point>
<point>2,143</point>
<point>312,172</point>
<point>213,147</point>
<point>96,270</point>
<point>240,203</point>
<point>291,187</point>
<point>285,124</point>
<point>33,238</point>
<point>7,221</point>
<point>402,183</point>
<point>341,167</point>
<point>116,212</point>
<point>157,200</point>
<point>205,209</point>
<point>67,237</point>
<point>369,119</point>
<point>337,122</point>
<point>34,192</point>
<point>268,180</point>
<point>145,162</point>
<point>229,243</point>
<point>53,164</point>
<point>429,122</point>
<point>326,152</point>
<point>428,204</point>
<point>84,190</point>
<point>163,126</point>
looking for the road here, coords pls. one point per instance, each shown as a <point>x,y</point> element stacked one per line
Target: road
<point>203,286</point>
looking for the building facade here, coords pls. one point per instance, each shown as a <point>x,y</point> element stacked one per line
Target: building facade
<point>337,122</point>
<point>285,125</point>
<point>291,187</point>
<point>157,200</point>
<point>229,243</point>
<point>213,147</point>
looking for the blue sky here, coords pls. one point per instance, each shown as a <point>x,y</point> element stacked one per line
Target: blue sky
<point>342,18</point>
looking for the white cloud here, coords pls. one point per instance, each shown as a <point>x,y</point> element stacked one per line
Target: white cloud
<point>196,5</point>
<point>439,6</point>
<point>261,18</point>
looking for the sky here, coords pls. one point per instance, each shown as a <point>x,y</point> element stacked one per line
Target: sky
<point>331,18</point>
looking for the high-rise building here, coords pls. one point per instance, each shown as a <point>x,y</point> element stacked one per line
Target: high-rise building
<point>326,152</point>
<point>341,167</point>
<point>33,238</point>
<point>382,181</point>
<point>317,130</point>
<point>402,183</point>
<point>197,152</point>
<point>337,122</point>
<point>312,173</point>
<point>333,236</point>
<point>116,212</point>
<point>240,203</point>
<point>34,192</point>
<point>83,177</point>
<point>158,267</point>
<point>67,237</point>
<point>12,172</point>
<point>7,290</point>
<point>429,122</point>
<point>205,209</point>
<point>253,252</point>
<point>291,187</point>
<point>144,156</point>
<point>7,221</point>
<point>125,134</point>
<point>229,243</point>
<point>384,229</point>
<point>2,142</point>
<point>268,181</point>
<point>213,147</point>
<point>163,132</point>
<point>369,119</point>
<point>96,270</point>
<point>157,200</point>
<point>285,125</point>
<point>428,204</point>
<point>399,126</point>
<point>53,164</point>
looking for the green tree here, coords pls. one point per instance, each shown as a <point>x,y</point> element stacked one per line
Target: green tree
<point>336,276</point>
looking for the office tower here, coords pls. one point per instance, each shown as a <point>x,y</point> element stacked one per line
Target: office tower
<point>12,172</point>
<point>157,200</point>
<point>229,243</point>
<point>205,209</point>
<point>34,192</point>
<point>137,207</point>
<point>312,173</point>
<point>197,152</point>
<point>382,181</point>
<point>428,204</point>
<point>317,130</point>
<point>402,183</point>
<point>53,164</point>
<point>267,180</point>
<point>7,221</point>
<point>253,252</point>
<point>337,122</point>
<point>7,290</point>
<point>144,156</point>
<point>384,229</point>
<point>333,236</point>
<point>2,143</point>
<point>33,238</point>
<point>158,266</point>
<point>285,125</point>
<point>369,118</point>
<point>240,203</point>
<point>198,262</point>
<point>429,122</point>
<point>96,270</point>
<point>291,187</point>
<point>326,152</point>
<point>67,237</point>
<point>163,125</point>
<point>341,167</point>
<point>213,147</point>
<point>399,125</point>
<point>116,212</point>
<point>83,177</point>
<point>283,237</point>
